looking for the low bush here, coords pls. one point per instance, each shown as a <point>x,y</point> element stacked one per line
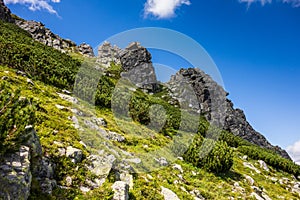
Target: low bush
<point>215,156</point>
<point>15,114</point>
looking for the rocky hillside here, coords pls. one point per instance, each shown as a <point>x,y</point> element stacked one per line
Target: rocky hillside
<point>80,127</point>
<point>217,108</point>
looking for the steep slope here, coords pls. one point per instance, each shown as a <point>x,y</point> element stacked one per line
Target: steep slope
<point>217,108</point>
<point>54,145</point>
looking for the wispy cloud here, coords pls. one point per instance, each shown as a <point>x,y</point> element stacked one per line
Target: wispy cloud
<point>36,4</point>
<point>294,3</point>
<point>294,151</point>
<point>163,9</point>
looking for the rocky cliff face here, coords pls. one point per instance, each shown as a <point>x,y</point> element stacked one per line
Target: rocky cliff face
<point>5,13</point>
<point>214,105</point>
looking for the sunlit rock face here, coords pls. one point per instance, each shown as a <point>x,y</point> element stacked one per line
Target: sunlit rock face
<point>213,103</point>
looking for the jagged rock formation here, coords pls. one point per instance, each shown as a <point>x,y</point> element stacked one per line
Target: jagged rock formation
<point>5,13</point>
<point>135,61</point>
<point>19,169</point>
<point>44,35</point>
<point>107,54</point>
<point>86,49</point>
<point>40,33</point>
<point>138,68</point>
<point>237,123</point>
<point>211,98</point>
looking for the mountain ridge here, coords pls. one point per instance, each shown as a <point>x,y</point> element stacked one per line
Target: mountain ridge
<point>60,147</point>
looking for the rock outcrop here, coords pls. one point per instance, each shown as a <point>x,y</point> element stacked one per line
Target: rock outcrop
<point>214,105</point>
<point>18,169</point>
<point>15,175</point>
<point>44,35</point>
<point>86,49</point>
<point>168,194</point>
<point>108,54</point>
<point>5,13</point>
<point>135,61</point>
<point>121,190</point>
<point>138,68</point>
<point>40,33</point>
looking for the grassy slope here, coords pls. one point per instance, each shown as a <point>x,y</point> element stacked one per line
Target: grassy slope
<point>53,125</point>
<point>212,186</point>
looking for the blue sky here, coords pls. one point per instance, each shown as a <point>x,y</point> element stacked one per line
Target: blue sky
<point>255,44</point>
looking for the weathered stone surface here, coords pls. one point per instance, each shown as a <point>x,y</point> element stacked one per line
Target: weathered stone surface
<point>86,50</point>
<point>134,55</point>
<point>68,98</point>
<point>121,190</point>
<point>101,165</point>
<point>263,165</point>
<point>168,194</point>
<point>44,35</point>
<point>162,161</point>
<point>74,153</point>
<point>128,179</point>
<point>138,68</point>
<point>96,183</point>
<point>113,136</point>
<point>18,169</point>
<point>107,54</point>
<point>212,102</point>
<point>250,180</point>
<point>15,175</point>
<point>178,168</point>
<point>250,166</point>
<point>40,33</point>
<point>5,13</point>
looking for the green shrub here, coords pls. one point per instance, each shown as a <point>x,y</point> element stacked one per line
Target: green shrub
<point>220,159</point>
<point>271,158</point>
<point>15,114</point>
<point>215,156</point>
<point>104,92</point>
<point>19,51</point>
<point>233,140</point>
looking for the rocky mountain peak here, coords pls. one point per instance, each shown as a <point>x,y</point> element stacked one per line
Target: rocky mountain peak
<point>134,55</point>
<point>217,108</point>
<point>5,13</point>
<point>107,54</point>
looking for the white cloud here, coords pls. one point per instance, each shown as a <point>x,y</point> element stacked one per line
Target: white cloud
<point>294,3</point>
<point>163,9</point>
<point>36,4</point>
<point>294,151</point>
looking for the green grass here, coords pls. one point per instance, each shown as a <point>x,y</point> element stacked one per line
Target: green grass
<point>52,70</point>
